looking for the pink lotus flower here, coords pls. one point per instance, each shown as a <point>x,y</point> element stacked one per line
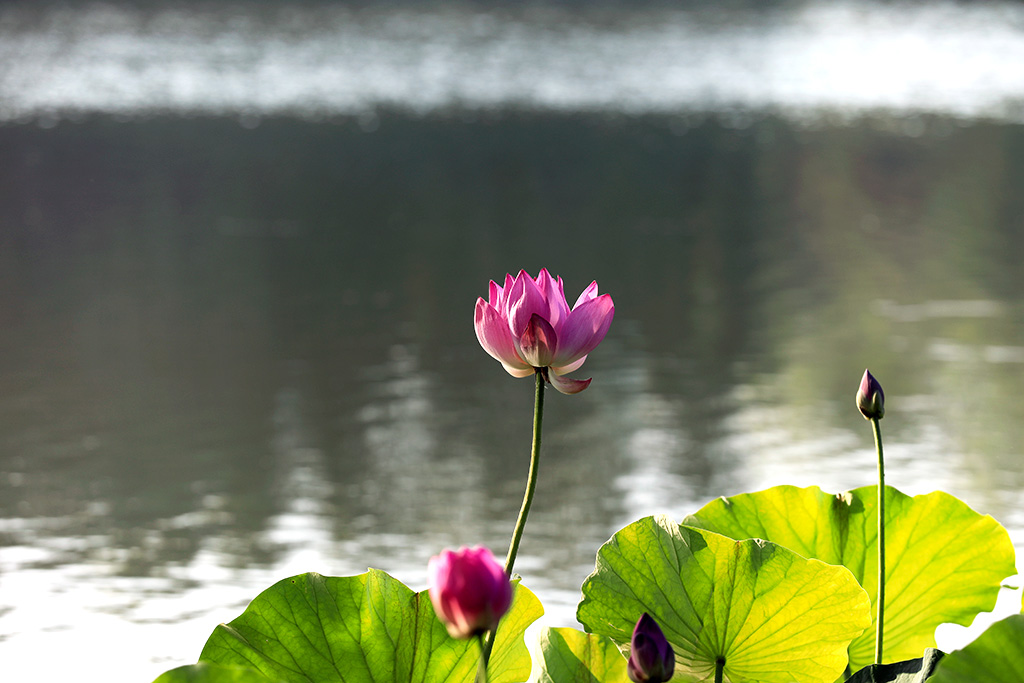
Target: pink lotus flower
<point>469,590</point>
<point>528,327</point>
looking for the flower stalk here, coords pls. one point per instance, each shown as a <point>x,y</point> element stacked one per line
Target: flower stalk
<point>485,653</point>
<point>531,481</point>
<point>881,540</point>
<point>531,488</point>
<point>871,404</point>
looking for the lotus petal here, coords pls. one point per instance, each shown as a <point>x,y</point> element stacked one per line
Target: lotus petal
<point>584,329</point>
<point>493,334</point>
<point>567,385</point>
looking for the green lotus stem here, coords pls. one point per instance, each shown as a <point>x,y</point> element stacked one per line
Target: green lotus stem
<point>719,669</point>
<point>531,482</point>
<point>531,487</point>
<point>881,540</point>
<point>485,653</point>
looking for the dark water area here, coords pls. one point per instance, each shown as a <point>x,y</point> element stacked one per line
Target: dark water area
<point>238,349</point>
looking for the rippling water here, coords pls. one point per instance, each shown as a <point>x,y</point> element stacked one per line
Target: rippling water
<point>317,60</point>
<point>236,336</point>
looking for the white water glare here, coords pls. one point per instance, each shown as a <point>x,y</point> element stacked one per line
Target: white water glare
<point>837,59</point>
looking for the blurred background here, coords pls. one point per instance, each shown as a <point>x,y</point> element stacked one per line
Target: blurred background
<point>241,242</point>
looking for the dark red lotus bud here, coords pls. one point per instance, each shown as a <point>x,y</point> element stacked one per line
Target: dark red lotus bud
<point>651,659</point>
<point>870,398</point>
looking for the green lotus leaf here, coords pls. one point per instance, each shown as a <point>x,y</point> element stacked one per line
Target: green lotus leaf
<point>944,561</point>
<point>368,628</point>
<point>996,656</point>
<point>908,671</point>
<point>571,656</point>
<point>207,672</point>
<point>771,615</point>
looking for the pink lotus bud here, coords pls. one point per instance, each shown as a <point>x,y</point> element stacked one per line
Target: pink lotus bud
<point>527,325</point>
<point>469,590</point>
<point>870,398</point>
<point>651,659</point>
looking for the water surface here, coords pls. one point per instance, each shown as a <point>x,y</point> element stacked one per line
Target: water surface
<point>237,343</point>
<point>317,60</point>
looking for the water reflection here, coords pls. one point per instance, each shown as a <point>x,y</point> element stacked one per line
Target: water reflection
<point>301,488</point>
<point>233,354</point>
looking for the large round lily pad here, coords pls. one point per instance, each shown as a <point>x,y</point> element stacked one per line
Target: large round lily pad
<point>369,628</point>
<point>944,561</point>
<point>769,614</point>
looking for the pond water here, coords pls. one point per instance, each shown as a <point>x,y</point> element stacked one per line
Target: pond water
<point>318,59</point>
<point>237,340</point>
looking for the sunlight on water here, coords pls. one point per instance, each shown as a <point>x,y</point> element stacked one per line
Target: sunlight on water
<point>321,60</point>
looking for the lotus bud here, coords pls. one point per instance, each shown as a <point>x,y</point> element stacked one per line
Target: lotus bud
<point>651,659</point>
<point>870,398</point>
<point>469,590</point>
